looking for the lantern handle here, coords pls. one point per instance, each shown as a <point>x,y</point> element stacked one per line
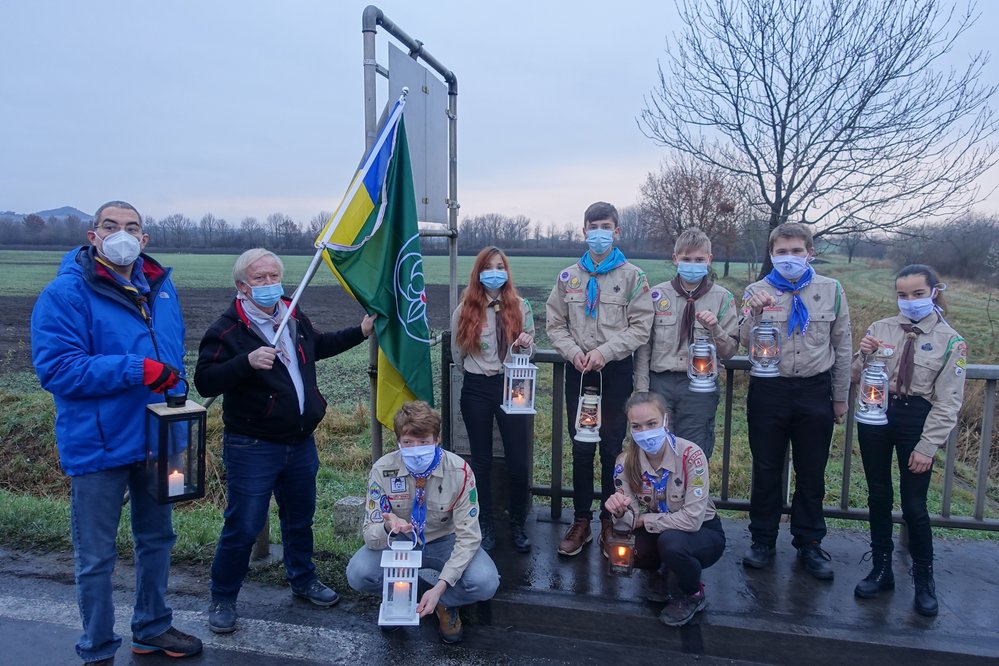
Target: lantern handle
<point>179,400</point>
<point>399,544</point>
<point>531,347</point>
<point>629,524</point>
<point>599,374</point>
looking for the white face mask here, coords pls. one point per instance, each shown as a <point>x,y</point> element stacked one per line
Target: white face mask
<point>790,266</point>
<point>120,248</point>
<point>418,458</point>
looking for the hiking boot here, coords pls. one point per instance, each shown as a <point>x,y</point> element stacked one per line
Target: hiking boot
<point>816,560</point>
<point>879,580</point>
<point>925,601</point>
<point>518,536</point>
<point>317,593</point>
<point>488,542</point>
<point>222,617</point>
<point>172,643</point>
<point>681,610</point>
<point>449,624</point>
<point>606,531</point>
<point>759,556</point>
<point>577,536</point>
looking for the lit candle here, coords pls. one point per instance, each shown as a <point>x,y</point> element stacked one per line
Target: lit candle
<point>175,485</point>
<point>400,598</point>
<point>519,399</point>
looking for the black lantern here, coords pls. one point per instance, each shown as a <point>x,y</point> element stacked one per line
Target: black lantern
<point>621,545</point>
<point>175,449</point>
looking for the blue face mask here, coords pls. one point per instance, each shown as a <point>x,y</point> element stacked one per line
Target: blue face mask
<point>267,295</point>
<point>599,240</point>
<point>691,272</point>
<point>492,279</point>
<point>651,441</point>
<point>418,458</point>
<point>790,267</point>
<point>916,309</point>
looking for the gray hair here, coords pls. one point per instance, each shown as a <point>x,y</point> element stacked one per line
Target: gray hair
<point>114,204</point>
<point>247,258</point>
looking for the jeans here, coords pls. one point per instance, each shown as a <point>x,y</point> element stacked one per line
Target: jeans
<point>477,583</point>
<point>618,385</point>
<point>906,417</point>
<point>686,554</point>
<point>481,397</point>
<point>691,415</point>
<point>797,410</point>
<point>95,509</point>
<point>254,469</point>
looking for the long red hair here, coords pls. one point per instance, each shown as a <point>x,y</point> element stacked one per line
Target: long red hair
<point>475,299</point>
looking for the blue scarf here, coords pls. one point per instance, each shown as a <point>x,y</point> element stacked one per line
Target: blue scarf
<point>659,486</point>
<point>798,316</point>
<point>610,262</point>
<point>419,518</point>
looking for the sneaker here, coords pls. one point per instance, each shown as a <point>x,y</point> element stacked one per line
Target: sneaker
<point>759,556</point>
<point>488,542</point>
<point>222,617</point>
<point>577,536</point>
<point>172,643</point>
<point>317,593</point>
<point>518,536</point>
<point>606,527</point>
<point>681,610</point>
<point>449,626</point>
<point>816,560</point>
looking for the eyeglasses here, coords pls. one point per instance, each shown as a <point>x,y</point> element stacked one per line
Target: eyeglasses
<point>109,227</point>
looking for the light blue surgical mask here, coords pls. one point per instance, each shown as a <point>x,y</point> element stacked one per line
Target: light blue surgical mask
<point>651,441</point>
<point>418,458</point>
<point>267,295</point>
<point>691,272</point>
<point>790,266</point>
<point>492,279</point>
<point>917,308</point>
<point>599,240</point>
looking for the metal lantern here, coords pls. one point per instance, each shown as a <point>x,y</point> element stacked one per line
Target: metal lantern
<point>702,365</point>
<point>175,449</point>
<point>764,350</point>
<point>588,419</point>
<point>872,397</point>
<point>520,378</point>
<point>621,545</point>
<point>400,578</point>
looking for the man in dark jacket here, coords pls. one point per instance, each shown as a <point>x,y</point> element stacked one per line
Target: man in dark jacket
<point>107,339</point>
<point>271,407</point>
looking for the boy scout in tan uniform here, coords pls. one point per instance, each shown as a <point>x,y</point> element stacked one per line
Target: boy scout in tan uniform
<point>684,309</point>
<point>598,314</point>
<point>802,404</point>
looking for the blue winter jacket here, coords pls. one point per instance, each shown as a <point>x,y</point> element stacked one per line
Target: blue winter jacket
<point>88,344</point>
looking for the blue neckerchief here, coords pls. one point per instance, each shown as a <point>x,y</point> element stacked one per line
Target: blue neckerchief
<point>610,262</point>
<point>419,518</point>
<point>798,316</point>
<point>658,489</point>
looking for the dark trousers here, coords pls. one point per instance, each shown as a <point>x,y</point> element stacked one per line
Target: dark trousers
<point>686,554</point>
<point>901,434</point>
<point>782,410</point>
<point>481,397</point>
<point>617,380</point>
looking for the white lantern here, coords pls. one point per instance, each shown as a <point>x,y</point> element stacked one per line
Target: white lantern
<point>764,350</point>
<point>588,419</point>
<point>520,378</point>
<point>702,365</point>
<point>872,396</point>
<point>400,578</point>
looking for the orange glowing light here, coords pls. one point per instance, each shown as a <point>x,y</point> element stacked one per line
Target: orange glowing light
<point>622,551</point>
<point>702,365</point>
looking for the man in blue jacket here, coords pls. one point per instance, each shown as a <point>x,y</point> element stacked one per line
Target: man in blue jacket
<point>107,338</point>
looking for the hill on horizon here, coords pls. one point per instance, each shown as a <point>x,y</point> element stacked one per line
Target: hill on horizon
<point>61,213</point>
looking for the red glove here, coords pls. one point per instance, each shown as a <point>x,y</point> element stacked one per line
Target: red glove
<point>159,376</point>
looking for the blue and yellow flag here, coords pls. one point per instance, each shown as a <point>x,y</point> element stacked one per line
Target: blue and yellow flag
<point>372,245</point>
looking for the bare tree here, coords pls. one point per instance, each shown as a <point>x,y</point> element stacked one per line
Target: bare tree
<point>318,221</point>
<point>837,110</point>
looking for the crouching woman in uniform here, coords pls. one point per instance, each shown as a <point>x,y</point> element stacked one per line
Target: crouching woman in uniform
<point>664,480</point>
<point>925,360</point>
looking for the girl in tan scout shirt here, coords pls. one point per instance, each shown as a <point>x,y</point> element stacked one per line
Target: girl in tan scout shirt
<point>664,480</point>
<point>490,318</point>
<point>926,361</point>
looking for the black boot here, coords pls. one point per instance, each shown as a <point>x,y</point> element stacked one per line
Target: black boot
<point>518,536</point>
<point>926,590</point>
<point>880,579</point>
<point>488,536</point>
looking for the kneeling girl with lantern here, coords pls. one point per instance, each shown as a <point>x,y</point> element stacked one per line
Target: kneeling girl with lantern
<point>662,485</point>
<point>924,360</point>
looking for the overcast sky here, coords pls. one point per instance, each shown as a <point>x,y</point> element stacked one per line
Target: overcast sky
<point>248,107</point>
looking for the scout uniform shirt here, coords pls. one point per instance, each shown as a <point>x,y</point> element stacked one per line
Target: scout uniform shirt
<point>676,495</point>
<point>939,363</point>
<point>486,361</point>
<point>451,500</point>
<point>624,313</point>
<point>826,345</point>
<point>660,353</point>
